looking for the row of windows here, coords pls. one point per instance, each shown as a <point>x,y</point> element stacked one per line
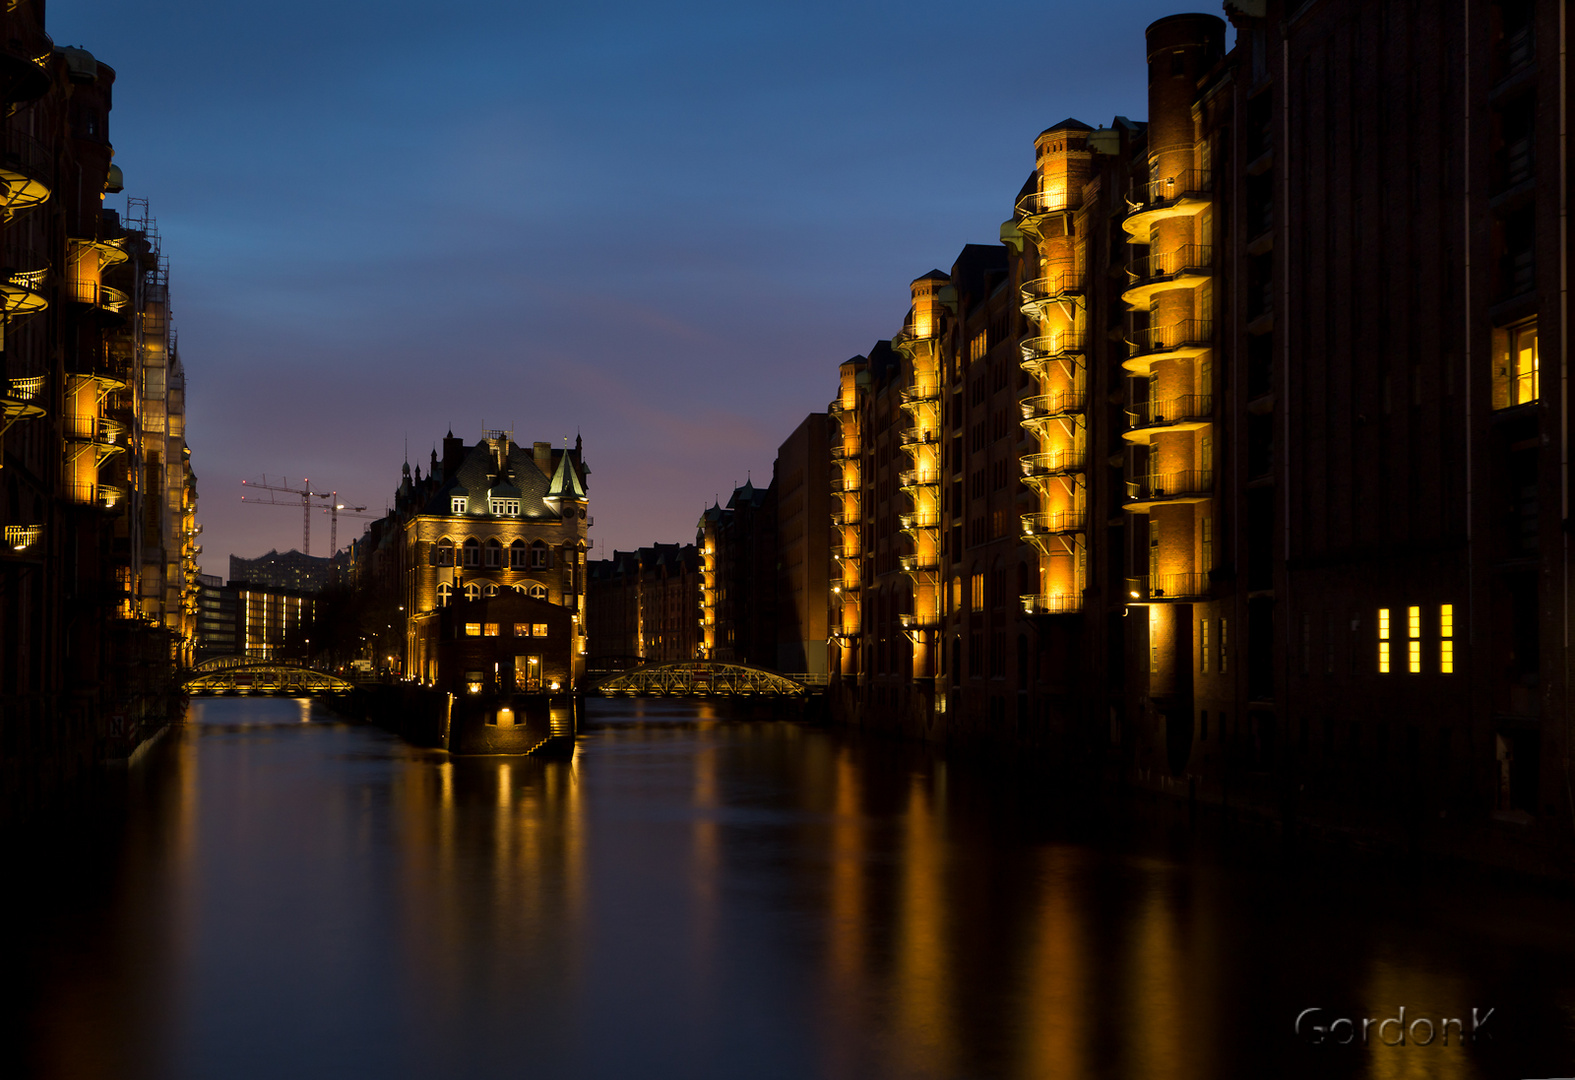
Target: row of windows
<point>473,591</point>
<point>491,629</point>
<point>538,556</point>
<point>458,504</point>
<point>1413,640</point>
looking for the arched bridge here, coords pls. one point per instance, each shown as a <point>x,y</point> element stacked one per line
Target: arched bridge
<point>700,679</point>
<point>243,675</point>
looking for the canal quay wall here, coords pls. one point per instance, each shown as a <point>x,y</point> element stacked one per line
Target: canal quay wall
<point>461,724</point>
<point>1098,764</point>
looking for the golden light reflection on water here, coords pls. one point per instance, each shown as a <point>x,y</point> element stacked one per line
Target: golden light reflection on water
<point>1054,1022</point>
<point>1424,994</point>
<point>923,992</point>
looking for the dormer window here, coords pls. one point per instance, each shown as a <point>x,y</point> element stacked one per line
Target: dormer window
<point>506,507</point>
<point>457,504</point>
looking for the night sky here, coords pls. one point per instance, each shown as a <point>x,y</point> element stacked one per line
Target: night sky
<point>659,225</point>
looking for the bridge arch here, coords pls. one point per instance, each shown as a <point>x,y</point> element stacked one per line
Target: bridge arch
<point>244,675</point>
<point>700,678</point>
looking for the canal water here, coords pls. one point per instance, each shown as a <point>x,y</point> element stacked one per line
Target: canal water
<point>277,893</point>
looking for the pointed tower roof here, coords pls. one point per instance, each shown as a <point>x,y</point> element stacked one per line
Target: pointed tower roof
<point>566,481</point>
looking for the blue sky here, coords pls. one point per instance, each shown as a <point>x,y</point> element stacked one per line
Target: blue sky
<point>661,226</point>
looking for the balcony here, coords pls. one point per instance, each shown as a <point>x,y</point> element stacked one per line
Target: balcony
<point>926,519</point>
<point>105,496</point>
<point>1054,463</point>
<point>1185,193</point>
<point>1185,268</point>
<point>1179,340</point>
<point>22,290</point>
<point>845,516</point>
<point>24,58</point>
<point>913,396</point>
<point>1185,413</point>
<point>1052,604</point>
<point>1037,207</point>
<point>105,297</point>
<point>22,537</point>
<point>915,436</point>
<point>920,564</point>
<point>1040,352</point>
<point>1054,523</point>
<point>914,621</point>
<point>1040,293</point>
<point>844,451</point>
<point>846,551</point>
<point>1167,587</point>
<point>93,429</point>
<point>19,399</point>
<point>842,484</point>
<point>27,172</point>
<point>914,338</point>
<point>915,479</point>
<point>1059,405</point>
<point>1186,486</point>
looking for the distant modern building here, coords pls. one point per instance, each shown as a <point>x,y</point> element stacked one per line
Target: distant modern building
<point>217,616</point>
<point>272,623</point>
<point>291,570</point>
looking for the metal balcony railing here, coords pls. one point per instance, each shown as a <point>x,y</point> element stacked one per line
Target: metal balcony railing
<point>914,435</point>
<point>843,451</point>
<point>919,563</point>
<point>911,336</point>
<point>1037,203</point>
<point>1176,410</point>
<point>1039,350</point>
<point>1058,403</point>
<point>915,621</point>
<point>1054,522</point>
<point>22,537</point>
<point>1187,586</point>
<point>1188,333</point>
<point>28,168</point>
<point>97,294</point>
<point>1051,287</point>
<point>22,283</point>
<point>915,478</point>
<point>99,429</point>
<point>1052,604</point>
<point>1156,194</point>
<point>1197,258</point>
<point>1188,482</point>
<point>1054,463</point>
<point>914,395</point>
<point>25,389</point>
<point>839,483</point>
<point>927,519</point>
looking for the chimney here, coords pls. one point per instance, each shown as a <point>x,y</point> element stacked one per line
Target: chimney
<point>453,454</point>
<point>543,453</point>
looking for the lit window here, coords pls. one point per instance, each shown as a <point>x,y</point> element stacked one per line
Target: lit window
<point>1383,641</point>
<point>473,629</point>
<point>1516,370</point>
<point>457,504</point>
<point>445,553</point>
<point>1204,627</point>
<point>506,507</point>
<point>976,591</point>
<point>489,629</point>
<point>539,629</point>
<point>472,592</point>
<point>489,589</point>
<point>1446,642</point>
<point>539,557</point>
<point>538,592</point>
<point>522,629</point>
<point>445,594</point>
<point>1414,639</point>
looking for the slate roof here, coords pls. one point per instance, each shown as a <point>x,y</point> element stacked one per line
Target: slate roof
<point>478,474</point>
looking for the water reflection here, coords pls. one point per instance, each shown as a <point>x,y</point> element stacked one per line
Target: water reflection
<point>279,893</point>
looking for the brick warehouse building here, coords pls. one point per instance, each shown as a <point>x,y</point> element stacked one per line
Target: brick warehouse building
<point>98,583</point>
<point>1282,514</point>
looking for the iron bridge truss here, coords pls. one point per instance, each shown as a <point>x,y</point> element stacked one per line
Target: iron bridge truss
<point>235,675</point>
<point>701,679</point>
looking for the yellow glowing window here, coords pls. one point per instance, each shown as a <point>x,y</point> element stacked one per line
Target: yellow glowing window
<point>1383,641</point>
<point>489,629</point>
<point>1413,618</point>
<point>539,629</point>
<point>522,629</point>
<point>1204,627</point>
<point>976,591</point>
<point>473,629</point>
<point>1446,642</point>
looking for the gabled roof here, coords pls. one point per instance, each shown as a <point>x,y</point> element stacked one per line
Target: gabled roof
<point>478,474</point>
<point>566,481</point>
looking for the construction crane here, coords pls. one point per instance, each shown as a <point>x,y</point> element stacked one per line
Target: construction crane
<point>333,508</point>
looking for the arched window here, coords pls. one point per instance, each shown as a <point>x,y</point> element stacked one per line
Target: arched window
<point>473,591</point>
<point>517,557</point>
<point>492,555</point>
<point>539,592</point>
<point>489,590</point>
<point>519,589</point>
<point>445,590</point>
<point>444,552</point>
<point>472,552</point>
<point>540,558</point>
